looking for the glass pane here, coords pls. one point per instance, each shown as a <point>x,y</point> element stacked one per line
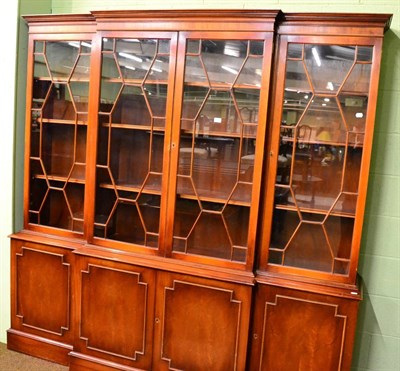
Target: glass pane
<point>223,59</point>
<point>41,89</point>
<point>211,163</point>
<point>297,80</point>
<point>157,97</point>
<point>40,69</point>
<point>358,80</point>
<point>352,168</point>
<point>322,123</point>
<point>159,69</point>
<point>250,74</point>
<point>193,47</point>
<point>74,196</point>
<point>135,56</point>
<point>61,58</point>
<point>194,70</point>
<point>295,51</point>
<point>164,46</point>
<point>219,113</point>
<point>309,248</point>
<point>129,151</point>
<point>39,188</point>
<point>131,107</point>
<point>247,101</point>
<point>81,70</point>
<point>192,224</point>
<point>364,53</point>
<point>57,151</point>
<point>316,179</point>
<point>110,91</point>
<point>39,47</point>
<point>80,96</point>
<point>126,225</point>
<point>328,65</point>
<point>193,99</point>
<point>256,47</point>
<point>110,68</point>
<point>355,112</point>
<point>58,104</point>
<point>108,44</point>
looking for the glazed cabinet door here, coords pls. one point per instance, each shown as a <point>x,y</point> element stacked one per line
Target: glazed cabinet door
<point>133,111</point>
<point>323,125</point>
<point>57,121</point>
<point>115,315</point>
<point>217,146</point>
<point>298,330</point>
<point>200,324</point>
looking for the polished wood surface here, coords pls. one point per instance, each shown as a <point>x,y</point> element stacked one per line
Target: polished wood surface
<point>41,322</point>
<point>200,324</point>
<point>195,185</point>
<point>114,312</point>
<point>298,330</point>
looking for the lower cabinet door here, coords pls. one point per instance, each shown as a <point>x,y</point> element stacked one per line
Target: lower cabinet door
<point>115,315</point>
<point>302,331</point>
<point>41,300</point>
<point>200,324</point>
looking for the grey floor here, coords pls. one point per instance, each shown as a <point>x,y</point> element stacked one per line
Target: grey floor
<point>14,361</point>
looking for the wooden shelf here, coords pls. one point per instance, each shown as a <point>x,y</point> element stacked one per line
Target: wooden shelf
<point>213,199</point>
<point>149,128</point>
<point>60,178</point>
<point>215,135</point>
<point>222,86</point>
<point>323,143</point>
<point>132,188</point>
<point>136,82</point>
<point>314,211</point>
<point>64,122</point>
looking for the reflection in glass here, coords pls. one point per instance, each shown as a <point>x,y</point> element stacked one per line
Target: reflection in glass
<point>328,65</point>
<point>58,133</point>
<point>61,57</point>
<point>364,53</point>
<point>133,107</point>
<point>219,123</point>
<point>358,80</point>
<point>322,122</point>
<point>320,150</point>
<point>295,51</point>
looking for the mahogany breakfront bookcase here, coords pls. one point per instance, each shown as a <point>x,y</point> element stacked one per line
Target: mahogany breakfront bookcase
<point>195,184</point>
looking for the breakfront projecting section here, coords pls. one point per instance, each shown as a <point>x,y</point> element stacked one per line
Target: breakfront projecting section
<point>319,160</point>
<point>194,190</point>
<point>323,124</point>
<point>320,149</point>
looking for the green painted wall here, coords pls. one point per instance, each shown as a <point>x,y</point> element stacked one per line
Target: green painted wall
<point>8,28</point>
<point>378,335</point>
